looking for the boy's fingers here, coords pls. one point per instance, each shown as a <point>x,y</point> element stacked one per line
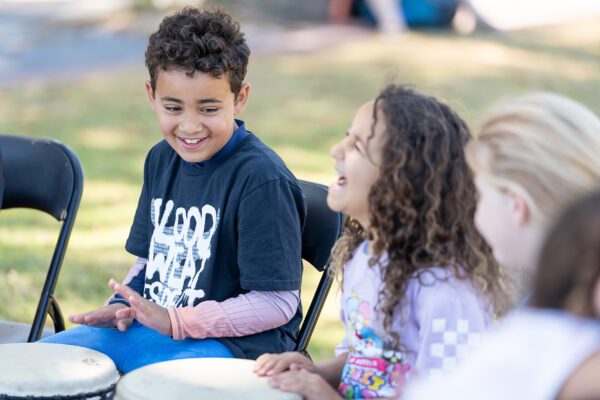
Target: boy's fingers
<point>112,283</point>
<point>120,289</point>
<point>101,314</point>
<point>123,290</point>
<point>85,318</point>
<point>91,317</point>
<point>76,319</point>
<point>124,313</point>
<point>134,301</point>
<point>124,324</point>
<point>141,309</point>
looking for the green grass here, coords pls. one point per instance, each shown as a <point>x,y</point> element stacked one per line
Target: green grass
<point>300,105</point>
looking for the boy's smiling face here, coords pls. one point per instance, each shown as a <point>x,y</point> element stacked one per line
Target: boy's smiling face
<point>195,114</point>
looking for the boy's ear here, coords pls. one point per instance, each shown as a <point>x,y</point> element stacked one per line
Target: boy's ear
<point>242,98</point>
<point>151,97</point>
<point>520,209</point>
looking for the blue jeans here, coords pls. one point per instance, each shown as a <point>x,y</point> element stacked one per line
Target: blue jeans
<point>138,345</point>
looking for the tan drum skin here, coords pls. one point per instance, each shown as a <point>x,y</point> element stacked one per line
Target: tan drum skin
<point>198,378</point>
<point>32,370</point>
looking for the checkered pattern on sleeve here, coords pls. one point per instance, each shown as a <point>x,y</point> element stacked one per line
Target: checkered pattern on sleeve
<point>450,343</point>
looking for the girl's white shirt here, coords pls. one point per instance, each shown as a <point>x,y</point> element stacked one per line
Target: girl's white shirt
<point>529,356</point>
<point>442,324</point>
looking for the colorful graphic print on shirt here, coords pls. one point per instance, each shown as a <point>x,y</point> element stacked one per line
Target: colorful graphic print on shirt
<point>373,369</point>
<point>178,253</point>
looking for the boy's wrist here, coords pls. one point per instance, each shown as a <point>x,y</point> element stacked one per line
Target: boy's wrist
<point>119,301</point>
<point>175,329</point>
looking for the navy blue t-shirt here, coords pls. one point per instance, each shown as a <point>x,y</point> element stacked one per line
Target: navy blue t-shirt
<point>216,231</point>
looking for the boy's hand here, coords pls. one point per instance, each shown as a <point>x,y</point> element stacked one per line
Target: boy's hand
<point>273,364</point>
<point>310,385</point>
<point>103,317</point>
<point>145,311</point>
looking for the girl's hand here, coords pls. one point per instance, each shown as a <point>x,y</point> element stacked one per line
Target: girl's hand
<point>273,364</point>
<point>310,385</point>
<point>103,317</point>
<point>145,311</point>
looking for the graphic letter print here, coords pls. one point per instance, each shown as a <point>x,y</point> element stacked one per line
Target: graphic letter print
<point>178,253</point>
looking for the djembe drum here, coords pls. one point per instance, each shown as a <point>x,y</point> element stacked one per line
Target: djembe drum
<point>45,371</point>
<point>198,378</point>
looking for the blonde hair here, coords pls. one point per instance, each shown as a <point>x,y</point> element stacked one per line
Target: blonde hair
<point>543,146</point>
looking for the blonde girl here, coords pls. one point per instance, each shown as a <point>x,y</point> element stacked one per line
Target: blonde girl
<point>531,157</point>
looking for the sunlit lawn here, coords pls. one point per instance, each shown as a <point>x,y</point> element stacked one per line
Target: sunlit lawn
<point>300,105</point>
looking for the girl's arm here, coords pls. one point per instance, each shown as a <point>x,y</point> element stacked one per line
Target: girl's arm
<point>583,383</point>
<point>274,365</point>
<point>312,383</point>
<point>331,370</point>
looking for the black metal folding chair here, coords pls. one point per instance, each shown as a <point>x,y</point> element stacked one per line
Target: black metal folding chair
<point>321,230</point>
<point>45,175</point>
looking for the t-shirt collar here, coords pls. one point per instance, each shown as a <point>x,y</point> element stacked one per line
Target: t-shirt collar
<point>238,135</point>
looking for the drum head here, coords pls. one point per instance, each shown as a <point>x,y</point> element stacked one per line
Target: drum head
<point>46,369</point>
<point>199,378</point>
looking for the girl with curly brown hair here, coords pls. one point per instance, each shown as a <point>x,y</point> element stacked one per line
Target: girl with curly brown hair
<point>419,283</point>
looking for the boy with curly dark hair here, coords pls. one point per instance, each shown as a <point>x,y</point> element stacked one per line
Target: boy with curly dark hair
<point>217,231</point>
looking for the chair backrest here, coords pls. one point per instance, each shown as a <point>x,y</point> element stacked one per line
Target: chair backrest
<point>46,175</point>
<point>321,230</point>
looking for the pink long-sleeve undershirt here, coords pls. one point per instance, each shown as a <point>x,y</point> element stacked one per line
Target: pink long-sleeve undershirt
<point>243,315</point>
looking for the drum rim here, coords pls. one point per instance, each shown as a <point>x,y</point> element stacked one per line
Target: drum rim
<point>129,385</point>
<point>106,393</point>
<point>99,384</point>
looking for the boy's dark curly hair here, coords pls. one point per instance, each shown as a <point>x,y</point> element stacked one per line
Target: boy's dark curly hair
<point>194,40</point>
<point>423,203</point>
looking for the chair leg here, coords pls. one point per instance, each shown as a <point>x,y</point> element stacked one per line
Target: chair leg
<point>305,353</point>
<point>56,315</point>
<point>314,310</point>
